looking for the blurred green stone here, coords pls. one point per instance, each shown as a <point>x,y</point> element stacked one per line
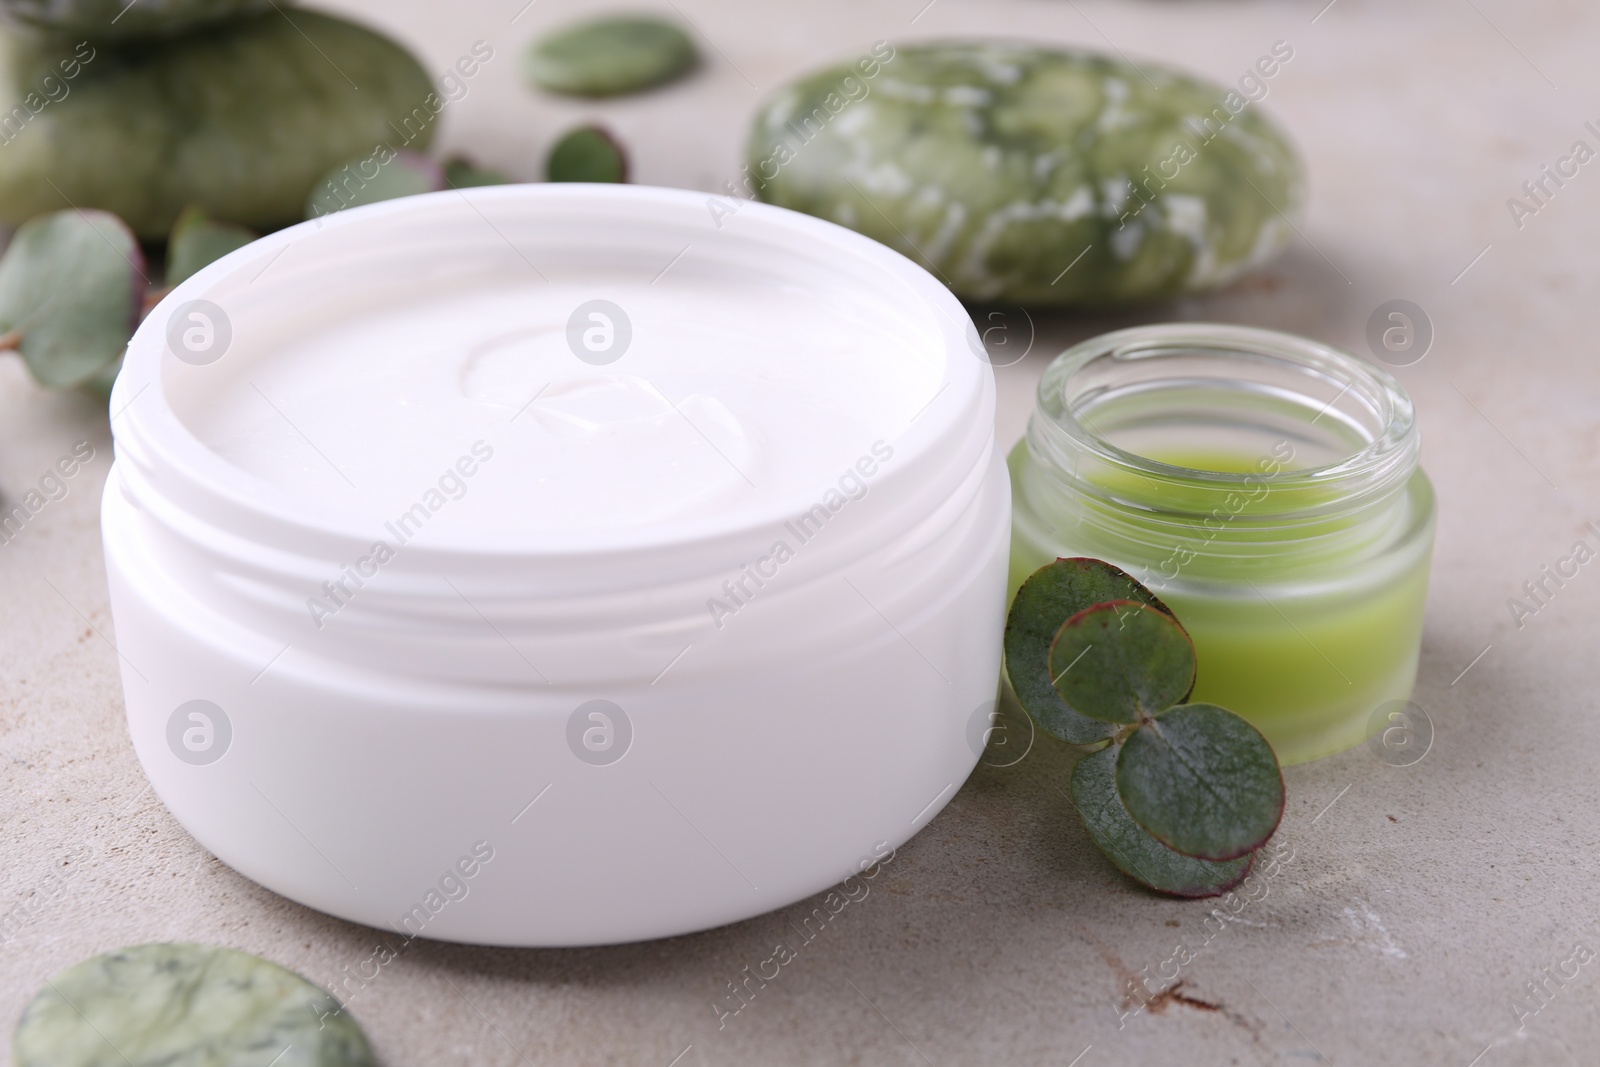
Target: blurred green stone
<point>185,1005</point>
<point>587,154</point>
<point>117,21</point>
<point>610,56</point>
<point>240,119</point>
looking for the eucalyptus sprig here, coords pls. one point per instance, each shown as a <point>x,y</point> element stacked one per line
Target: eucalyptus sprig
<point>71,288</point>
<point>1179,796</point>
<point>198,240</point>
<point>74,284</point>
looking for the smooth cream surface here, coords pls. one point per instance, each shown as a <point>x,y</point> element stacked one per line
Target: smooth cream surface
<point>734,396</point>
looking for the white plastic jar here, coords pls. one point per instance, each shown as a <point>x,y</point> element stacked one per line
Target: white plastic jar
<point>556,565</point>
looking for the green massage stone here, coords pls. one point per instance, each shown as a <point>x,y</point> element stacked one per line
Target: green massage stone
<point>119,21</point>
<point>610,56</point>
<point>185,1005</point>
<point>240,119</point>
<point>1035,175</point>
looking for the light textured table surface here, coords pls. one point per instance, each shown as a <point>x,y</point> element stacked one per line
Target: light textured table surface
<point>1420,901</point>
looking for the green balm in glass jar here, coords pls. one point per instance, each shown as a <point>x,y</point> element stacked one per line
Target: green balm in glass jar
<point>1263,485</point>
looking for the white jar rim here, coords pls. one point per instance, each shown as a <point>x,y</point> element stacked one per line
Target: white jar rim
<point>255,551</point>
<point>556,226</point>
<point>709,730</point>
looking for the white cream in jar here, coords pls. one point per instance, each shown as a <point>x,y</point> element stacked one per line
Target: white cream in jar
<point>731,395</point>
<point>677,614</point>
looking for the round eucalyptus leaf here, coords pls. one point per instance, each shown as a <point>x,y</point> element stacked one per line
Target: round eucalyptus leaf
<point>462,173</point>
<point>1202,781</point>
<point>198,240</point>
<point>1052,595</point>
<point>1135,853</point>
<point>71,284</point>
<point>587,154</point>
<point>1122,662</point>
<point>185,1005</point>
<point>370,179</point>
<point>103,379</point>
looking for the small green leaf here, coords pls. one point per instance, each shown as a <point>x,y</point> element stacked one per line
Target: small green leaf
<point>462,173</point>
<point>367,181</point>
<point>103,379</point>
<point>1137,854</point>
<point>1202,781</point>
<point>1122,662</point>
<point>587,154</point>
<point>1052,595</point>
<point>198,240</point>
<point>71,285</point>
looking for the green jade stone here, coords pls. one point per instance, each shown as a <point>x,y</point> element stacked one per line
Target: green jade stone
<point>1036,176</point>
<point>610,56</point>
<point>185,1005</point>
<point>239,119</point>
<point>119,21</point>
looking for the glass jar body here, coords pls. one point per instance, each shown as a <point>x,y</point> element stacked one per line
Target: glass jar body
<point>1305,656</point>
<point>1304,599</point>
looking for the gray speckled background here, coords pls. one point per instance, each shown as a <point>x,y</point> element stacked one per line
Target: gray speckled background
<point>1419,902</point>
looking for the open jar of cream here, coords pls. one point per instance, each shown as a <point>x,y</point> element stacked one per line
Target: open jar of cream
<point>559,564</point>
<point>1266,487</point>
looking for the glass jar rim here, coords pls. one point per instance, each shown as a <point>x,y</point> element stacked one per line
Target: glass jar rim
<point>1381,465</point>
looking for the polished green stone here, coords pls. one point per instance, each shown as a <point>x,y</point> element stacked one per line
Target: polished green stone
<point>1034,175</point>
<point>587,154</point>
<point>610,56</point>
<point>120,21</point>
<point>241,119</point>
<point>185,1005</point>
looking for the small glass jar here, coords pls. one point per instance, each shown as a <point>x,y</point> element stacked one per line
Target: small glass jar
<point>1266,487</point>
